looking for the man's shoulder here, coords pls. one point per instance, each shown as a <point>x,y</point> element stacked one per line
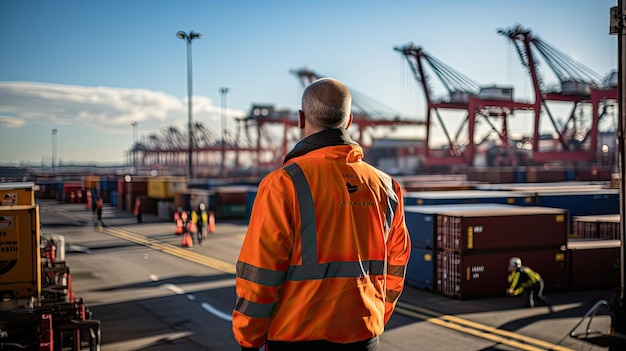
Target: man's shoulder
<point>276,176</point>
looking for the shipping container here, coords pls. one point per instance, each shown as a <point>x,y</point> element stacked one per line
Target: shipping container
<point>71,191</point>
<point>250,196</point>
<point>206,196</point>
<point>108,183</point>
<point>48,189</point>
<point>569,185</point>
<point>467,197</point>
<point>92,182</point>
<point>134,186</point>
<point>435,183</point>
<point>20,263</point>
<point>485,275</point>
<point>596,227</point>
<point>114,198</point>
<point>165,210</point>
<point>231,195</point>
<point>230,212</point>
<point>421,221</point>
<point>420,271</point>
<point>580,203</point>
<point>165,188</point>
<point>492,174</point>
<point>12,194</point>
<point>121,194</point>
<point>515,227</point>
<point>593,264</point>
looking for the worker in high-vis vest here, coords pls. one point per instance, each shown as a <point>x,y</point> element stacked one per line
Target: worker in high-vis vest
<point>323,261</point>
<point>524,280</point>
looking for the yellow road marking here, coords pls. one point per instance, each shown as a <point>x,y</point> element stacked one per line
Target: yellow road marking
<point>501,336</point>
<point>172,250</point>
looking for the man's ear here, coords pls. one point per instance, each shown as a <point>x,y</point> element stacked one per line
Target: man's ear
<point>301,119</point>
<point>349,121</point>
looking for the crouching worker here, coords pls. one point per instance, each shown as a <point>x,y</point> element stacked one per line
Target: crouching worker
<point>523,280</point>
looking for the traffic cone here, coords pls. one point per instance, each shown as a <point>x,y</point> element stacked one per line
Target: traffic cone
<point>187,240</point>
<point>211,223</point>
<point>179,227</point>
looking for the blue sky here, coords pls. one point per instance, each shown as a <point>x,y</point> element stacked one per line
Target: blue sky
<point>90,68</point>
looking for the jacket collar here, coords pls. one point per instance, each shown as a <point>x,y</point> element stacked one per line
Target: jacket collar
<point>327,137</point>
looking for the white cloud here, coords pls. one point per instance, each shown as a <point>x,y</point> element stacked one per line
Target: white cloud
<point>11,122</point>
<point>106,109</point>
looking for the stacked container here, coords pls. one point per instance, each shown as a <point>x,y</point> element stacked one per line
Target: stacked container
<point>467,197</point>
<point>231,202</point>
<point>421,222</point>
<point>579,202</point>
<point>593,264</point>
<point>605,227</point>
<point>428,243</point>
<point>473,243</point>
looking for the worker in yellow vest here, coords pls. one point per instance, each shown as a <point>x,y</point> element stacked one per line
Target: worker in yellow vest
<point>200,217</point>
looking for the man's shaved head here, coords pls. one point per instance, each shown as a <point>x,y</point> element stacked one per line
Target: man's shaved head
<point>326,103</point>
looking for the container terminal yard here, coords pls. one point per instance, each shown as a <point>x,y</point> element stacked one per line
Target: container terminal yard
<point>133,286</point>
<point>71,282</point>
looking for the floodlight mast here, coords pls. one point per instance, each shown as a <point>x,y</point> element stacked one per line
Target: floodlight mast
<point>188,38</point>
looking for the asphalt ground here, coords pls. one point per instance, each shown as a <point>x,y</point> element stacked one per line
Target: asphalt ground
<point>500,320</point>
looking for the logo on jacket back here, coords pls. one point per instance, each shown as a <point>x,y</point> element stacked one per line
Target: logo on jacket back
<point>352,188</point>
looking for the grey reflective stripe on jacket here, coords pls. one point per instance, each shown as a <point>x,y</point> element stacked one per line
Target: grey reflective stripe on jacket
<point>310,268</point>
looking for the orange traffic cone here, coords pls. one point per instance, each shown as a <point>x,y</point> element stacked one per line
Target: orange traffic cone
<point>187,240</point>
<point>211,223</point>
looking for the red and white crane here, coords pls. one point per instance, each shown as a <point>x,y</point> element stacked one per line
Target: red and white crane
<point>489,104</point>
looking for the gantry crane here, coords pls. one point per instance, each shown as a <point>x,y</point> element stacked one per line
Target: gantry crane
<point>577,138</point>
<point>167,151</point>
<point>269,153</point>
<point>463,94</point>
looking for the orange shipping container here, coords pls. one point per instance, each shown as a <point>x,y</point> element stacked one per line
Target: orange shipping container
<point>12,194</point>
<point>20,262</point>
<point>91,182</point>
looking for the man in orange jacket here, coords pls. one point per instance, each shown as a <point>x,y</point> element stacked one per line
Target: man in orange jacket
<point>323,261</point>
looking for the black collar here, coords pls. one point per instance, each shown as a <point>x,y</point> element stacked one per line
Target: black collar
<point>327,137</point>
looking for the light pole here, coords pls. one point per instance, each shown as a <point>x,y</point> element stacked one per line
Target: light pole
<point>54,147</point>
<point>223,92</point>
<point>134,148</point>
<point>188,38</point>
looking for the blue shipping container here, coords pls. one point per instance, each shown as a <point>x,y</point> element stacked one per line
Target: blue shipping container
<point>113,198</point>
<point>250,196</point>
<point>467,197</point>
<point>582,203</point>
<point>420,271</point>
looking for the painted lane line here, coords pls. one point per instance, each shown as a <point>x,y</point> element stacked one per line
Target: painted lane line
<point>173,250</point>
<point>506,337</point>
<point>506,333</point>
<point>217,313</point>
<point>174,288</point>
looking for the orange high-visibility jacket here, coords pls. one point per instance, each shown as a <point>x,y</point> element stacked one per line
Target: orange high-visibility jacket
<point>325,253</point>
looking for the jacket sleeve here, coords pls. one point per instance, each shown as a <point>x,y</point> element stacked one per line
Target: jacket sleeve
<point>262,264</point>
<point>514,283</point>
<point>399,250</point>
